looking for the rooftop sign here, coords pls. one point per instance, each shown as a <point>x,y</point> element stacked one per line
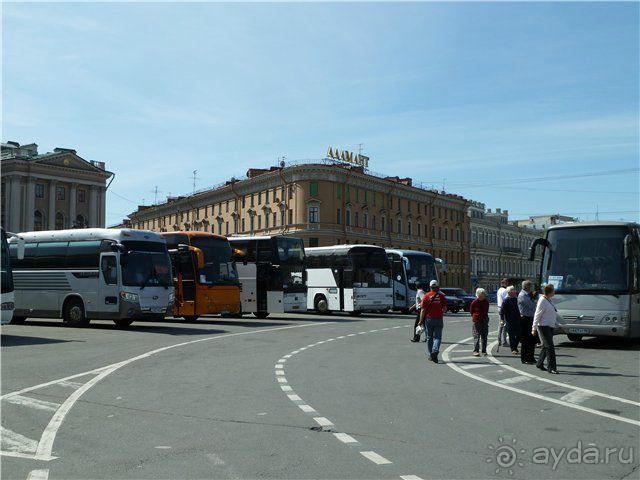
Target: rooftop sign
<point>349,157</point>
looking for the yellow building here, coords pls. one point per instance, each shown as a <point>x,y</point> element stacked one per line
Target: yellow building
<point>326,204</point>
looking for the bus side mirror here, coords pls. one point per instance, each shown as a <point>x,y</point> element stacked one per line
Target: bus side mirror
<point>239,255</point>
<point>183,248</point>
<point>20,248</point>
<point>199,257</point>
<point>534,244</point>
<point>118,247</point>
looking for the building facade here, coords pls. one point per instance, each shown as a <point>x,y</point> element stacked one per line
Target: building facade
<point>499,249</point>
<point>51,191</point>
<point>326,204</point>
<point>542,222</point>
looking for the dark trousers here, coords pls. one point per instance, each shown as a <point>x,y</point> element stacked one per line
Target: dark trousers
<point>480,332</point>
<point>528,341</point>
<point>548,349</point>
<point>415,325</point>
<point>513,328</point>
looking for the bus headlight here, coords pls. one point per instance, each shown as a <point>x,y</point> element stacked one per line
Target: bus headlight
<point>624,319</point>
<point>129,297</point>
<point>8,306</point>
<point>606,319</point>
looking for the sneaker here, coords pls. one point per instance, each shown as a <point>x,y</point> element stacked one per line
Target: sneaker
<point>541,367</point>
<point>434,357</point>
<point>414,340</point>
<point>555,372</point>
<point>476,354</point>
<point>515,353</point>
<point>484,354</point>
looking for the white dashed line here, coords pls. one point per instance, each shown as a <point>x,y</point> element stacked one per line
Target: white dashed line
<point>375,458</point>
<point>307,408</point>
<point>576,396</point>
<point>410,477</point>
<point>475,365</point>
<point>294,398</point>
<point>282,360</point>
<point>286,388</point>
<point>33,403</point>
<point>323,422</point>
<point>279,372</point>
<point>344,438</point>
<point>282,380</point>
<point>38,474</point>
<point>512,380</point>
<point>279,366</point>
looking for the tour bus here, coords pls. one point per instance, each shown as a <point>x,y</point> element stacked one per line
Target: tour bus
<point>348,278</point>
<point>409,267</point>
<point>6,282</point>
<point>594,268</point>
<point>272,274</point>
<point>204,275</point>
<point>104,274</point>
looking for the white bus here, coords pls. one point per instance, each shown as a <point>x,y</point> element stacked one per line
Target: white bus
<point>77,275</point>
<point>595,270</point>
<point>409,267</point>
<point>272,274</point>
<point>348,278</point>
<point>6,282</point>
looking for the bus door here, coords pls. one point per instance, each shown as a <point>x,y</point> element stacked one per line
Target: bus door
<point>399,282</point>
<point>108,302</point>
<point>341,287</point>
<point>186,292</point>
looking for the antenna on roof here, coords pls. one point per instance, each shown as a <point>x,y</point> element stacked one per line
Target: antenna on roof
<point>194,178</point>
<point>155,192</point>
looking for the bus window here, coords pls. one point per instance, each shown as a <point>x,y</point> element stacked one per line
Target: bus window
<point>110,270</point>
<point>51,255</point>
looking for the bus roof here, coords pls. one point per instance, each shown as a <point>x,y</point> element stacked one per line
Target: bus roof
<point>260,237</point>
<point>79,234</point>
<point>594,224</point>
<point>341,247</point>
<point>407,252</point>
<point>195,234</point>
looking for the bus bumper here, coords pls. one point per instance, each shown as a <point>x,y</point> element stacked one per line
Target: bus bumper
<point>593,330</point>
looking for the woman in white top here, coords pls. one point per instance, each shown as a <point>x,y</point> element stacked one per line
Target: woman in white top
<point>416,308</point>
<point>544,321</point>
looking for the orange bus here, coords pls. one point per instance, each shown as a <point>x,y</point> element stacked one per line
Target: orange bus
<point>204,274</point>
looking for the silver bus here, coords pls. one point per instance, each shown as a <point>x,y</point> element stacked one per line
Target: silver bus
<point>408,268</point>
<point>6,282</point>
<point>594,268</point>
<point>77,275</point>
<point>348,278</point>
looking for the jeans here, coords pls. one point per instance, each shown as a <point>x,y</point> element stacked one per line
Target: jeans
<point>528,341</point>
<point>548,348</point>
<point>480,332</point>
<point>434,334</point>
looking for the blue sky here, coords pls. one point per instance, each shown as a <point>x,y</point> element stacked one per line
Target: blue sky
<point>476,94</point>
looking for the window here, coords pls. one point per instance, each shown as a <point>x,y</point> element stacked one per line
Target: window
<point>419,230</point>
<point>433,231</point>
<point>313,242</point>
<point>383,226</point>
<point>347,219</point>
<point>290,193</point>
<point>109,270</point>
<point>243,225</point>
<point>252,200</point>
<point>313,189</point>
<point>219,227</point>
<point>251,223</point>
<point>84,254</point>
<point>282,194</point>
<point>51,255</point>
<point>290,216</point>
<point>259,222</point>
<point>259,198</point>
<point>373,221</point>
<point>365,198</point>
<point>60,193</point>
<point>356,219</point>
<point>59,221</point>
<point>39,190</point>
<point>365,219</point>
<point>339,191</point>
<point>409,228</point>
<point>282,217</point>
<point>314,214</point>
<point>339,216</point>
<point>37,221</point>
<point>82,195</point>
<point>348,193</point>
<point>244,201</point>
<point>227,207</point>
<point>357,195</point>
<point>446,233</point>
<point>226,228</point>
<point>275,219</point>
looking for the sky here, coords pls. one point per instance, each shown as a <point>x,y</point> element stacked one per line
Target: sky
<point>530,107</point>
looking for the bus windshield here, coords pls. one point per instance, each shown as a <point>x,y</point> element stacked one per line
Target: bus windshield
<point>7,277</point>
<point>146,265</point>
<point>419,268</point>
<point>586,260</point>
<point>290,250</point>
<point>370,267</point>
<point>218,264</point>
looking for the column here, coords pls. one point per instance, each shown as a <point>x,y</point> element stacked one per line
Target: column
<point>102,210</point>
<point>93,206</point>
<point>30,204</point>
<point>14,206</point>
<point>73,198</point>
<point>52,205</point>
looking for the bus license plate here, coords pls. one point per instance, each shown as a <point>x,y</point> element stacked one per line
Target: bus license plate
<point>157,310</point>
<point>578,330</point>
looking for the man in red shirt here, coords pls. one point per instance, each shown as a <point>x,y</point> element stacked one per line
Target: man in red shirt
<point>432,309</point>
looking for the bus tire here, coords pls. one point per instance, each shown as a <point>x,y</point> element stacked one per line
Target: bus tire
<point>73,313</point>
<point>321,305</point>
<point>123,322</point>
<point>17,320</point>
<point>190,318</point>
<point>261,314</point>
<point>573,337</point>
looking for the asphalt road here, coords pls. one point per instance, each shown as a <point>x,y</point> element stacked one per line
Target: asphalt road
<point>306,396</point>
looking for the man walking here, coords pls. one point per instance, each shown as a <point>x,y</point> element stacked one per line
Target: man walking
<point>527,307</point>
<point>432,309</point>
<point>501,296</point>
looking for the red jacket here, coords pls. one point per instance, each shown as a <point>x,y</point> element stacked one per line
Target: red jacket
<point>434,308</point>
<point>479,310</point>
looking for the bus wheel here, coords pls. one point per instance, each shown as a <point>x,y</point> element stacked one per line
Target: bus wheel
<point>190,318</point>
<point>573,337</point>
<point>17,320</point>
<point>261,314</point>
<point>321,305</point>
<point>73,313</point>
<point>123,322</point>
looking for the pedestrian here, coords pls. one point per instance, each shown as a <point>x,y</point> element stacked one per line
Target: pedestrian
<point>432,309</point>
<point>479,310</point>
<point>419,295</point>
<point>501,296</point>
<point>527,307</point>
<point>544,322</point>
<point>511,315</point>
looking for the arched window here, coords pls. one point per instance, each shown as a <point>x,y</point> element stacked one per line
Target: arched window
<point>59,221</point>
<point>80,222</point>
<point>38,221</point>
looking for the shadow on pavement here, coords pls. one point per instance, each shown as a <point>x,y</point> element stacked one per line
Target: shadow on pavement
<point>19,341</point>
<point>604,343</point>
<point>137,327</point>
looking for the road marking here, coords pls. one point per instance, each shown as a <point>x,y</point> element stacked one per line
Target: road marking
<point>471,367</point>
<point>344,438</point>
<point>286,356</point>
<point>215,459</point>
<point>410,477</point>
<point>14,442</point>
<point>352,335</point>
<point>375,458</point>
<point>281,380</point>
<point>466,350</point>
<point>279,366</point>
<point>38,474</point>
<point>282,360</point>
<point>576,396</point>
<point>66,383</point>
<point>286,388</point>
<point>163,447</point>
<point>470,357</point>
<point>323,422</point>
<point>445,356</point>
<point>340,337</point>
<point>307,408</point>
<point>279,372</point>
<point>294,398</point>
<point>512,380</point>
<point>331,340</point>
<point>33,403</point>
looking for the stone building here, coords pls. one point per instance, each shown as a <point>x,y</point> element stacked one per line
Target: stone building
<point>542,222</point>
<point>499,249</point>
<point>326,204</point>
<point>50,191</point>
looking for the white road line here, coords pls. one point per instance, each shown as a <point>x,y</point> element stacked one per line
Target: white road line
<point>307,408</point>
<point>279,372</point>
<point>445,356</point>
<point>32,403</point>
<point>559,384</point>
<point>331,340</point>
<point>286,388</point>
<point>352,335</point>
<point>294,398</point>
<point>340,337</point>
<point>279,366</point>
<point>14,442</point>
<point>323,422</point>
<point>375,458</point>
<point>576,396</point>
<point>66,383</point>
<point>282,360</point>
<point>286,356</point>
<point>215,459</point>
<point>475,365</point>
<point>42,474</point>
<point>466,350</point>
<point>372,331</point>
<point>512,380</point>
<point>469,357</point>
<point>344,438</point>
<point>410,477</point>
<point>281,380</point>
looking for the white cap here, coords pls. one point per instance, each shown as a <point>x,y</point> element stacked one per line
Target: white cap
<point>433,283</point>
